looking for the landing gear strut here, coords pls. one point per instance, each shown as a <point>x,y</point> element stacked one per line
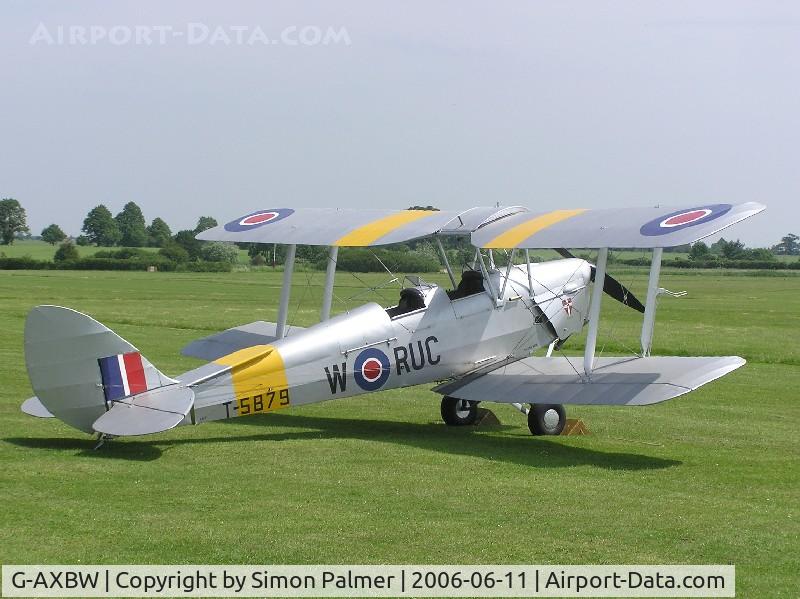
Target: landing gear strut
<point>459,412</point>
<point>547,419</point>
<point>101,439</point>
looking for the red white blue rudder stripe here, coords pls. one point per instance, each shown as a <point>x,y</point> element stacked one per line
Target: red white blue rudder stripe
<point>122,375</point>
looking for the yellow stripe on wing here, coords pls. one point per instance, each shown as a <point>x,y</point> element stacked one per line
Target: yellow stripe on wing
<point>259,379</point>
<point>371,232</point>
<point>519,233</point>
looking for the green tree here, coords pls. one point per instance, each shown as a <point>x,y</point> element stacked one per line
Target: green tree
<point>53,234</point>
<point>428,249</point>
<point>258,260</point>
<point>760,254</point>
<point>66,251</point>
<point>12,220</point>
<point>172,251</point>
<point>308,253</point>
<point>158,233</point>
<point>205,222</point>
<point>187,241</point>
<point>732,249</point>
<point>274,253</point>
<point>366,260</point>
<point>258,249</point>
<point>716,247</point>
<point>789,245</point>
<point>220,252</point>
<point>131,226</point>
<point>100,227</point>
<point>699,251</point>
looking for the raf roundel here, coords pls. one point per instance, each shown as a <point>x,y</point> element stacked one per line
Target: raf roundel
<point>371,369</point>
<point>675,221</point>
<point>258,219</point>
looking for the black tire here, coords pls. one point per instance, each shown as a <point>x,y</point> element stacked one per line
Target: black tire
<point>459,412</point>
<point>541,419</point>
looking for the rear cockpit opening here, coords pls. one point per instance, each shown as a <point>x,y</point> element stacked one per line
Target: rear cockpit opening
<point>411,300</point>
<point>414,299</point>
<point>471,283</point>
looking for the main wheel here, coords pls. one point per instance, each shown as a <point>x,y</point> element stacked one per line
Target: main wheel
<point>547,419</point>
<point>459,412</point>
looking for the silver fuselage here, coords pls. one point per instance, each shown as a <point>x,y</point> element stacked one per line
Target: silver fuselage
<point>366,350</point>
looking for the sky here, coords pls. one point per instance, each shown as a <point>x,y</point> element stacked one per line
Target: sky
<point>191,108</point>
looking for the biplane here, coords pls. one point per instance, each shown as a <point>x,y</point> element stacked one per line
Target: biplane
<point>474,341</point>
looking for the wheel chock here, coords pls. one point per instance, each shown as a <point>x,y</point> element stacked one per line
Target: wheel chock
<point>486,418</point>
<point>575,426</point>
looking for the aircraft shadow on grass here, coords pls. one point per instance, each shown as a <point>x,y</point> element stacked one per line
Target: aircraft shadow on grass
<point>470,442</point>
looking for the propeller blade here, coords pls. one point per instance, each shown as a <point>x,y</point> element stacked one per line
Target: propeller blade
<point>611,286</point>
<point>619,292</point>
<point>564,253</point>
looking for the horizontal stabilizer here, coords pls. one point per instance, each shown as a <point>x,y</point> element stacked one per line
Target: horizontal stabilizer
<point>614,381</point>
<point>34,407</point>
<point>149,412</point>
<point>232,340</point>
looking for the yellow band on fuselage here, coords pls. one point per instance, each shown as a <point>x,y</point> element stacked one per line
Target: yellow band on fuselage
<point>371,232</point>
<point>516,235</point>
<point>259,379</point>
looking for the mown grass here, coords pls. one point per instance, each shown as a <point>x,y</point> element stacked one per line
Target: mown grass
<point>708,478</point>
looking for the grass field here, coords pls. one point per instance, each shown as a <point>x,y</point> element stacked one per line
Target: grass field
<point>708,478</point>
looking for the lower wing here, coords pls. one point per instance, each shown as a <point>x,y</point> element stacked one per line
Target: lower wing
<point>614,381</point>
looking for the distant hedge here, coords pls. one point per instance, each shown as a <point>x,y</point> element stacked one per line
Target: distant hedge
<point>364,260</point>
<point>350,259</point>
<point>95,263</point>
<point>24,263</point>
<point>714,262</point>
<point>205,266</point>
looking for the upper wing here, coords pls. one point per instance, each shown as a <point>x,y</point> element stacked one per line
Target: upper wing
<point>348,227</point>
<point>490,227</point>
<point>612,227</point>
<point>615,381</point>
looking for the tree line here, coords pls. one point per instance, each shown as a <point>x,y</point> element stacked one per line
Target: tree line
<point>129,229</point>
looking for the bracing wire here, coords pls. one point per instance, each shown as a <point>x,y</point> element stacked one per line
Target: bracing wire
<point>611,335</point>
<point>309,277</point>
<point>367,288</point>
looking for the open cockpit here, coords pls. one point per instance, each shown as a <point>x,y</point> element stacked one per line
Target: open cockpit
<point>414,299</point>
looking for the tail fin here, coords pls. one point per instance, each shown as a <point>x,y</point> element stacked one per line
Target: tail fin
<point>79,368</point>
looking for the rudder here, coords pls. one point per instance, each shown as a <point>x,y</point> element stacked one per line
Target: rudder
<point>77,366</point>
